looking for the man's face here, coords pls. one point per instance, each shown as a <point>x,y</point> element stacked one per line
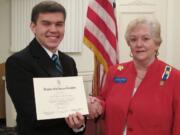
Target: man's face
<point>49,29</point>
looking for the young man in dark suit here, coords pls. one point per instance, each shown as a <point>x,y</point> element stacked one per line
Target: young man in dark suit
<point>47,24</point>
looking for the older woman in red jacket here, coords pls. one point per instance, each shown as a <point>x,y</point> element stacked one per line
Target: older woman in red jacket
<point>140,97</point>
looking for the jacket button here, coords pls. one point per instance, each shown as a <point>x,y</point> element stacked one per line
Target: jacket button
<point>130,129</point>
<point>130,111</point>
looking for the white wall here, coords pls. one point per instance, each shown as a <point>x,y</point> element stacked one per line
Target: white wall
<point>4,29</point>
<point>176,33</point>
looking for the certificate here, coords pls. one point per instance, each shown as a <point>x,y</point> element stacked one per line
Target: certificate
<point>57,97</point>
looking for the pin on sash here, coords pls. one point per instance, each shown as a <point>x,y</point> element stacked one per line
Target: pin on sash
<point>120,67</point>
<point>165,75</point>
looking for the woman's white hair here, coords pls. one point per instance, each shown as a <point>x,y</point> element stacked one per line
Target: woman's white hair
<point>151,22</point>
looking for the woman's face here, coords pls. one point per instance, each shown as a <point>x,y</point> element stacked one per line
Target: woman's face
<point>142,45</point>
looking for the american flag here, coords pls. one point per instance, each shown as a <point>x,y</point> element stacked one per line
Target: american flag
<point>100,32</point>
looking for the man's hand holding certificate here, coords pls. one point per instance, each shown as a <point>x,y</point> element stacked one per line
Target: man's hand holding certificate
<point>59,97</point>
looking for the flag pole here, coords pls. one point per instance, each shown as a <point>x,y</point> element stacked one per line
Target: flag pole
<point>114,4</point>
<point>96,77</point>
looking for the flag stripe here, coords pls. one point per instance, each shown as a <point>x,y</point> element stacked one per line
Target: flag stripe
<point>95,42</point>
<point>103,14</point>
<point>107,5</point>
<point>100,32</point>
<point>96,51</point>
<point>90,41</point>
<point>102,39</point>
<point>103,27</point>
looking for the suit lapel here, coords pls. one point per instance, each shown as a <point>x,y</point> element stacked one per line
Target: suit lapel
<point>43,59</point>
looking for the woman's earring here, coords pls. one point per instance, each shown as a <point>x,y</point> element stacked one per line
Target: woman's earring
<point>131,54</point>
<point>157,53</point>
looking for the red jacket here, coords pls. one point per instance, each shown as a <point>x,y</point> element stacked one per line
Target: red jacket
<point>153,110</point>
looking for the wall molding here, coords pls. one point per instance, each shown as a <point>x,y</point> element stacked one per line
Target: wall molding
<point>136,3</point>
<point>87,75</point>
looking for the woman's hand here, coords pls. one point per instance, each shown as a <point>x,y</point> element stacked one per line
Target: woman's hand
<point>95,107</point>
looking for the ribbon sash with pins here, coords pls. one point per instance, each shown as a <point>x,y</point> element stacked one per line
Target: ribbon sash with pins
<point>165,75</point>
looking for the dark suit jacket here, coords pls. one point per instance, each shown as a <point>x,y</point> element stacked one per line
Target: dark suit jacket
<point>21,67</point>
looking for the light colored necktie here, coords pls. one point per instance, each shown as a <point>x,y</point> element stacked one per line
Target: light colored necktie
<point>57,63</point>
